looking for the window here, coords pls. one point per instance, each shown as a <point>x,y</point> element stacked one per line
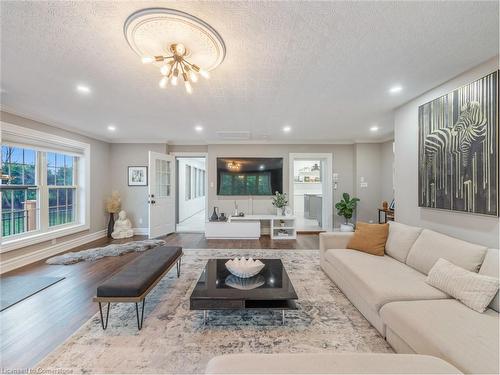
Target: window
<point>245,184</point>
<point>188,182</point>
<point>194,182</point>
<point>21,198</point>
<point>20,191</point>
<point>62,188</point>
<point>44,189</point>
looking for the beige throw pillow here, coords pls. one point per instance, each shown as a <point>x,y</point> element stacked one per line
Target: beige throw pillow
<point>473,290</point>
<point>369,238</point>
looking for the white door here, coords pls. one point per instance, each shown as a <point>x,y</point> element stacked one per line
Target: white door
<point>161,194</point>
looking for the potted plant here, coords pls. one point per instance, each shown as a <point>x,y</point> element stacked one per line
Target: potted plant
<point>280,201</point>
<point>113,205</point>
<point>346,208</point>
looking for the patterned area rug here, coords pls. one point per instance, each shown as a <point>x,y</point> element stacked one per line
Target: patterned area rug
<point>175,340</point>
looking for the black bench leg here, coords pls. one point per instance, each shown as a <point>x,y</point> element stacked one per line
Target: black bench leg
<point>139,322</point>
<point>104,324</point>
<point>178,267</point>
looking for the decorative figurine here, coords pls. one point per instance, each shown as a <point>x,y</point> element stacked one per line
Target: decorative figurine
<point>123,227</point>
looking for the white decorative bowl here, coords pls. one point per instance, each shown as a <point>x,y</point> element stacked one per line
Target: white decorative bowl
<point>243,267</point>
<point>245,284</point>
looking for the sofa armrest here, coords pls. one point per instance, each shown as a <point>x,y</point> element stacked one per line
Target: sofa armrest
<point>334,240</point>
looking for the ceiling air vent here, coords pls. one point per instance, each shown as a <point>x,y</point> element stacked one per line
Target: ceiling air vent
<point>233,135</point>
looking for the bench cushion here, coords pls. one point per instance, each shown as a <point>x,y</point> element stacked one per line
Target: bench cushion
<point>136,277</point>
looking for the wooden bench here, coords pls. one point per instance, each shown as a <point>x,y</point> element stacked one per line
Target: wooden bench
<point>133,283</point>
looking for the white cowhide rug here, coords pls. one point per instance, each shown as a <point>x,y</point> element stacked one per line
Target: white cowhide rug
<point>175,340</point>
<point>111,250</point>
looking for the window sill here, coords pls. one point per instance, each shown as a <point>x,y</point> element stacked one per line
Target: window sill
<point>33,239</point>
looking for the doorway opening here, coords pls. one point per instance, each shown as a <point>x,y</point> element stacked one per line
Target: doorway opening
<point>191,194</point>
<point>310,188</point>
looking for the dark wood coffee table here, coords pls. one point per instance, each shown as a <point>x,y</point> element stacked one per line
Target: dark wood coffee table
<point>218,289</point>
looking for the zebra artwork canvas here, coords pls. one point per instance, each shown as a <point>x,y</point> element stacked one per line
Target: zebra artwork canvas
<point>458,149</point>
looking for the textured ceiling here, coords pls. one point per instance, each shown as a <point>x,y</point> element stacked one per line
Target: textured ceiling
<point>323,68</point>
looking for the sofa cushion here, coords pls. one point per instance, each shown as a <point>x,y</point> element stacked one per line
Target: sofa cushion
<point>400,240</point>
<point>369,238</point>
<point>380,280</point>
<point>430,246</point>
<point>449,330</point>
<point>490,268</point>
<point>472,289</point>
<point>328,363</point>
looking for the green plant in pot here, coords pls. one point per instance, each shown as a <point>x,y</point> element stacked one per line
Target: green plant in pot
<point>346,208</point>
<point>280,201</point>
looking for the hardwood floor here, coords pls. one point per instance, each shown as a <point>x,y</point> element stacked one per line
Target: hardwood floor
<point>34,327</point>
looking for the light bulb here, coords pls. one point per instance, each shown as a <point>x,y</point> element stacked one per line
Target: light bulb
<point>193,76</point>
<point>147,59</point>
<point>187,84</point>
<point>174,77</point>
<point>165,69</point>
<point>180,49</point>
<point>204,74</point>
<point>163,82</point>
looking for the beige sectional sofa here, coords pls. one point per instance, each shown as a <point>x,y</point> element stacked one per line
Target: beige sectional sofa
<point>391,292</point>
<point>323,363</point>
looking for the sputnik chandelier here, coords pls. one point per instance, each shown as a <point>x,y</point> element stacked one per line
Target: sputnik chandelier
<point>175,66</point>
<point>233,166</point>
<point>179,44</point>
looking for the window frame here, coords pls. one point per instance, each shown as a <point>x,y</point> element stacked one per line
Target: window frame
<point>30,138</point>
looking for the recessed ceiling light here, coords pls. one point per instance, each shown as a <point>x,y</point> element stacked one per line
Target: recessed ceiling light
<point>111,128</point>
<point>262,167</point>
<point>374,128</point>
<point>198,128</point>
<point>395,89</point>
<point>83,89</point>
<point>287,129</point>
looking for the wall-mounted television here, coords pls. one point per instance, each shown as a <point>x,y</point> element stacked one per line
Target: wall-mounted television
<point>249,176</point>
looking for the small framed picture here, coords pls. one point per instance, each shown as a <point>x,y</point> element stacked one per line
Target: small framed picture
<point>137,176</point>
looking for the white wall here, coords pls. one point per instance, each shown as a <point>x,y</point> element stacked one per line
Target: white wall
<point>188,208</point>
<point>474,228</point>
<point>368,171</point>
<point>387,171</point>
<point>134,198</point>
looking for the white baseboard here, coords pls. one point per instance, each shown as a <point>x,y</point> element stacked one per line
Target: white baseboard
<point>49,251</point>
<point>141,231</point>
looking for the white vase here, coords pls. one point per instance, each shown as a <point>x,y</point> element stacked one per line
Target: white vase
<point>347,227</point>
<point>279,211</point>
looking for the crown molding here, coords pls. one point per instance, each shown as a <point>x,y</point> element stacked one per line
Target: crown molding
<point>45,121</point>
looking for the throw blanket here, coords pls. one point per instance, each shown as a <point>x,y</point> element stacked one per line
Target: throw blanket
<point>112,250</point>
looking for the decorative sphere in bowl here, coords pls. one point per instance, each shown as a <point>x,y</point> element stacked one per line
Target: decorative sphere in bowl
<point>243,267</point>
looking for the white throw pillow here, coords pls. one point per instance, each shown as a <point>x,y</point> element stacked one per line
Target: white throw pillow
<point>473,290</point>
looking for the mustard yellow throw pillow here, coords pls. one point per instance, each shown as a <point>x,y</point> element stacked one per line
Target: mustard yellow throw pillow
<point>369,238</point>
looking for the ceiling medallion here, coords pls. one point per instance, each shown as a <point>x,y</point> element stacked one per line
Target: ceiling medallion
<point>179,44</point>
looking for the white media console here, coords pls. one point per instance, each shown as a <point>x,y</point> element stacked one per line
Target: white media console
<point>248,227</point>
